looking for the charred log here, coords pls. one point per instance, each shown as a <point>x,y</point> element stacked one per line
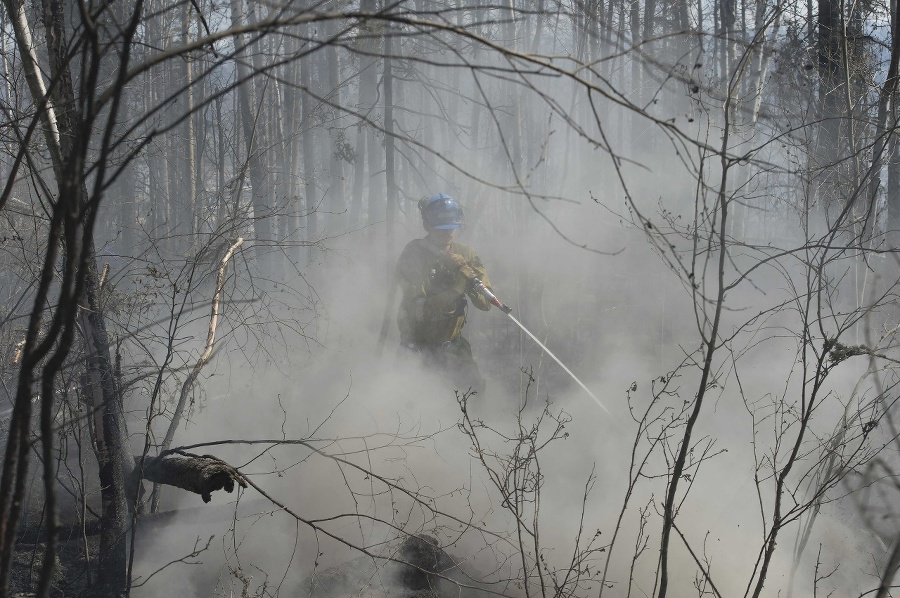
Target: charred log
<point>200,474</point>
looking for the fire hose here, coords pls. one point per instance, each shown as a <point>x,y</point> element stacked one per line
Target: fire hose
<point>492,298</point>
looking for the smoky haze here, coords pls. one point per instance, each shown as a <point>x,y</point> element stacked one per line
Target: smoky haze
<point>613,319</point>
<point>687,221</point>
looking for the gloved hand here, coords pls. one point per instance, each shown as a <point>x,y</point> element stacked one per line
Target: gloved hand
<point>460,283</point>
<point>462,272</point>
<point>457,261</point>
<point>469,274</point>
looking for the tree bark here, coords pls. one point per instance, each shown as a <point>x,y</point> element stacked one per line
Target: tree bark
<point>337,192</point>
<point>307,115</point>
<point>884,134</point>
<point>389,168</point>
<point>830,58</point>
<point>249,105</point>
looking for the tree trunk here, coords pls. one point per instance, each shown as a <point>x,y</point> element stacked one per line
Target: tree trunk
<point>187,188</point>
<point>337,192</point>
<point>249,105</point>
<point>292,124</point>
<point>727,20</point>
<point>893,191</point>
<point>389,168</point>
<point>830,59</point>
<point>637,123</point>
<point>883,133</point>
<point>359,173</point>
<point>307,104</point>
<point>157,164</point>
<point>110,435</point>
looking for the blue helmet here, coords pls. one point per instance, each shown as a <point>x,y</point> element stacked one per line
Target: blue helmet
<point>441,211</point>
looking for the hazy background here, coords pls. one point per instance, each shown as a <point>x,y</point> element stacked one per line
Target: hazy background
<point>606,155</point>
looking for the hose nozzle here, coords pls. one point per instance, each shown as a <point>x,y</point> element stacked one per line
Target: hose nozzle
<point>491,297</point>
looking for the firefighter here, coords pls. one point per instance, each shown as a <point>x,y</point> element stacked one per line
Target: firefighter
<point>436,277</point>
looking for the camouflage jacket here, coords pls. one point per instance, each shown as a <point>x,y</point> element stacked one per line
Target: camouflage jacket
<point>433,308</point>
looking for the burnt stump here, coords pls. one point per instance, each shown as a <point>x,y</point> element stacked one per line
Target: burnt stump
<point>424,561</point>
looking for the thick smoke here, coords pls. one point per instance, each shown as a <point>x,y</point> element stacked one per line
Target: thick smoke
<point>614,319</point>
<point>598,216</point>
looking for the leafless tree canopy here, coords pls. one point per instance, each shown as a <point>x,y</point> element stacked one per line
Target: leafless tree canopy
<point>694,205</point>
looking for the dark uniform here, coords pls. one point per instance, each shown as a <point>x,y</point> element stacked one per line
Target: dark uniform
<point>433,308</point>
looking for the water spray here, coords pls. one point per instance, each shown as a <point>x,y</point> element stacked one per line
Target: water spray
<point>493,300</point>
